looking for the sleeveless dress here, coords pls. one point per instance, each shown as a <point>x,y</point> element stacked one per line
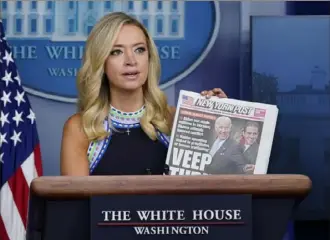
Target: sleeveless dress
<point>128,150</point>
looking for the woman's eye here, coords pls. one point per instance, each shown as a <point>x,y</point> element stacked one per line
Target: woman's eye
<point>115,52</point>
<point>140,50</point>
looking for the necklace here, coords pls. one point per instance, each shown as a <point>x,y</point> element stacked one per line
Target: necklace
<point>126,120</point>
<point>128,131</point>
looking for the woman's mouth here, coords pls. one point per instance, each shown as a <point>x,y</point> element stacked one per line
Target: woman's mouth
<point>132,75</point>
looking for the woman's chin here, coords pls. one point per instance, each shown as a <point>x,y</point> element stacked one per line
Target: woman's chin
<point>132,86</point>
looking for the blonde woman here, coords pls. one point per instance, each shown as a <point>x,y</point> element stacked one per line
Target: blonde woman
<point>123,122</point>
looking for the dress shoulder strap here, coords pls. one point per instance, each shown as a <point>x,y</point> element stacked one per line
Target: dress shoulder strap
<point>162,137</point>
<point>96,149</point>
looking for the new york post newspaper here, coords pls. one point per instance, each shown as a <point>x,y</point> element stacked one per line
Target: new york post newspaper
<point>220,136</point>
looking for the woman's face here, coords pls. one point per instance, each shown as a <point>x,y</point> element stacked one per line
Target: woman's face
<point>128,62</point>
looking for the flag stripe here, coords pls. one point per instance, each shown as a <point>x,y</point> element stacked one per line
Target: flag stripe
<point>3,232</point>
<point>29,169</point>
<point>20,190</point>
<point>10,215</point>
<point>37,159</point>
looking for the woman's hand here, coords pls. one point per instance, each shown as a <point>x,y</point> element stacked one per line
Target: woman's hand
<point>215,92</point>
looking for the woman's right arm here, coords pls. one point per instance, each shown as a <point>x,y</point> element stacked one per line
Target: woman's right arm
<point>74,148</point>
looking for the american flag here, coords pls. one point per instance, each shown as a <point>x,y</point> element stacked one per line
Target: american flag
<point>258,112</point>
<point>187,100</point>
<point>20,158</point>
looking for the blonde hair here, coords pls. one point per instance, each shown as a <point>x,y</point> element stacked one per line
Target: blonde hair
<point>94,90</point>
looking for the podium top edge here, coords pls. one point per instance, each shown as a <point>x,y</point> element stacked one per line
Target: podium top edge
<point>258,184</point>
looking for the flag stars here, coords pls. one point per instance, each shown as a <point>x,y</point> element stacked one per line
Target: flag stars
<point>16,138</point>
<point>7,78</point>
<point>5,98</point>
<point>1,158</point>
<point>3,118</point>
<point>3,139</point>
<point>8,58</point>
<point>31,116</point>
<point>18,118</point>
<point>2,37</point>
<point>19,97</point>
<point>18,79</point>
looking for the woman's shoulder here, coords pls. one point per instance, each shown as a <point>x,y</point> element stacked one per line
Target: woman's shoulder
<point>73,126</point>
<point>74,147</point>
<point>172,109</point>
<point>74,119</point>
<point>73,122</point>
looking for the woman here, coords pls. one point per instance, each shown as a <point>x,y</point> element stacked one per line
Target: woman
<point>123,120</point>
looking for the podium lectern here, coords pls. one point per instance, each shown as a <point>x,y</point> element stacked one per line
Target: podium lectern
<point>60,207</point>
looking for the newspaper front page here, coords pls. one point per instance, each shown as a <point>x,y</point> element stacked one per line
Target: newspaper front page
<point>220,136</point>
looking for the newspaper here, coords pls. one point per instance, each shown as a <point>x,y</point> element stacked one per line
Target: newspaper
<point>220,136</point>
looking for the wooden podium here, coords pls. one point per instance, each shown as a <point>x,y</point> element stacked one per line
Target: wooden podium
<point>59,207</point>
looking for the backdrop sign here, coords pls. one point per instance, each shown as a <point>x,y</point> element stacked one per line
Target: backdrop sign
<point>48,38</point>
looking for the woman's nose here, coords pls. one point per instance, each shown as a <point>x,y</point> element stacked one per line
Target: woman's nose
<point>130,59</point>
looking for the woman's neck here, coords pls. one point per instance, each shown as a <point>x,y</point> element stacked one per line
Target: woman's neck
<point>127,101</point>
